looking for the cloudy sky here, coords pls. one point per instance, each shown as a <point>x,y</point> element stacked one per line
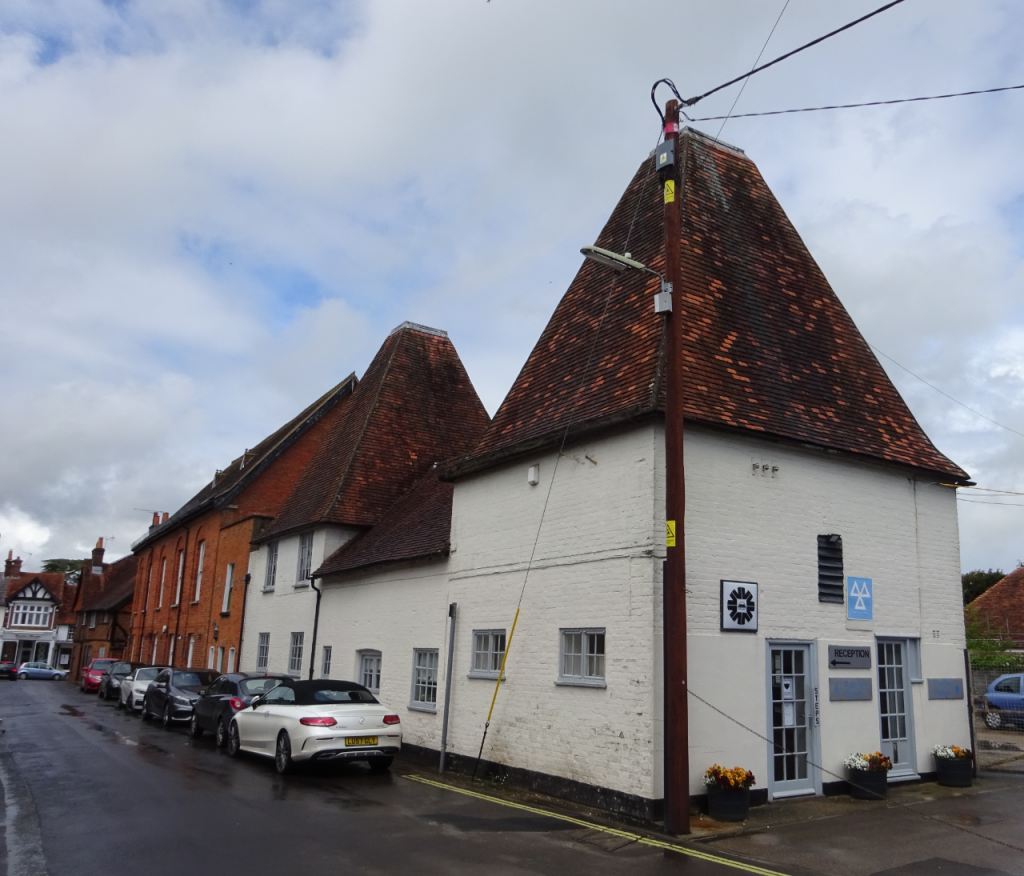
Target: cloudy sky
<point>213,210</point>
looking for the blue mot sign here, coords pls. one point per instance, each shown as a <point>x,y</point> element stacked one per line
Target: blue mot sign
<point>859,599</point>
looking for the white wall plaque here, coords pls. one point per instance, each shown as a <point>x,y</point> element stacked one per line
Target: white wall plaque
<point>739,606</point>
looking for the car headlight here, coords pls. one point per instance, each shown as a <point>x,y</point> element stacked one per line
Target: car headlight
<point>181,701</point>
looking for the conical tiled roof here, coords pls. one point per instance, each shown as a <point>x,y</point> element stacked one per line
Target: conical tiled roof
<point>414,407</point>
<point>767,345</point>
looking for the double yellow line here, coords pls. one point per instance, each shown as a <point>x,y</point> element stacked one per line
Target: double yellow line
<point>611,831</point>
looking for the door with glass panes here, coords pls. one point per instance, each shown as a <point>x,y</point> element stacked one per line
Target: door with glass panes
<point>791,720</point>
<point>895,707</point>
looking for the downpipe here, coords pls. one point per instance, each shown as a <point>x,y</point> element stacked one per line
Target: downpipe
<point>316,624</point>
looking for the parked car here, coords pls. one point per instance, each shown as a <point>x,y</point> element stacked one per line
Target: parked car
<point>113,675</point>
<point>9,669</point>
<point>89,679</point>
<point>231,693</point>
<point>135,684</point>
<point>315,721</point>
<point>1003,703</point>
<point>173,693</point>
<point>41,670</point>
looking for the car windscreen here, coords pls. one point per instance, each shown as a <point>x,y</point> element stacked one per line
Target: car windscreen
<point>331,696</point>
<point>147,674</point>
<point>193,679</point>
<point>252,687</point>
<point>101,665</point>
<point>120,669</point>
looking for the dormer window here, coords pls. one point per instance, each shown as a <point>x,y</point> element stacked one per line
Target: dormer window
<point>29,615</point>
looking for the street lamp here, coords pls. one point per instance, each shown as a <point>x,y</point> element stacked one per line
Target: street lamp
<point>676,718</point>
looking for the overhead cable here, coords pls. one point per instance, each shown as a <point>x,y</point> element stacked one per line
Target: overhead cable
<point>946,394</point>
<point>821,39</point>
<point>816,109</point>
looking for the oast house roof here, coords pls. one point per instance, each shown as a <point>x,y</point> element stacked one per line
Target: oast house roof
<point>1001,607</point>
<point>414,407</point>
<point>767,345</point>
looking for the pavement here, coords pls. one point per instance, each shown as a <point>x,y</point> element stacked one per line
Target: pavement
<point>89,790</point>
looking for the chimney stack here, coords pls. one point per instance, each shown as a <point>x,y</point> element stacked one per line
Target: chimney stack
<point>12,567</point>
<point>166,515</point>
<point>97,557</point>
<point>156,519</point>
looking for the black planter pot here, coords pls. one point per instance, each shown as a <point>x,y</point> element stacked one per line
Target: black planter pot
<point>954,772</point>
<point>869,784</point>
<point>728,804</point>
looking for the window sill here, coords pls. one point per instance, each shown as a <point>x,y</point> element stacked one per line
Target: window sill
<point>424,707</point>
<point>268,589</point>
<point>299,584</point>
<point>194,602</point>
<point>581,682</point>
<point>225,614</point>
<point>173,605</point>
<point>487,675</point>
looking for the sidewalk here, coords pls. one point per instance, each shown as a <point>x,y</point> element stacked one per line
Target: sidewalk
<point>919,830</point>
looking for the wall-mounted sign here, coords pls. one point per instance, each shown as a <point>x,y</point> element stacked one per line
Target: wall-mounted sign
<point>739,606</point>
<point>945,689</point>
<point>847,657</point>
<point>840,689</point>
<point>859,600</point>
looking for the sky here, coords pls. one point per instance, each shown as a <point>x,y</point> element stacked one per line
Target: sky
<point>211,211</point>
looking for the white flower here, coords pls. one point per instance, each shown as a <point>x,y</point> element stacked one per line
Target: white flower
<point>856,762</point>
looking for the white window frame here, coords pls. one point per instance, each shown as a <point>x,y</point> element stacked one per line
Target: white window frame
<point>588,660</point>
<point>295,647</point>
<point>229,583</point>
<point>152,662</point>
<point>325,661</point>
<point>231,660</point>
<point>486,657</point>
<point>220,659</point>
<point>270,573</point>
<point>92,620</point>
<point>170,652</point>
<point>181,578</point>
<point>423,695</point>
<point>149,583</point>
<point>263,651</point>
<point>305,564</point>
<point>163,578</point>
<point>36,615</point>
<point>191,651</point>
<point>199,569</point>
<point>210,657</point>
<point>370,661</point>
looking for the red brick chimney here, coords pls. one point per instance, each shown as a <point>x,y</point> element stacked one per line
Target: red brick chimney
<point>97,557</point>
<point>166,515</point>
<point>156,519</point>
<point>12,567</point>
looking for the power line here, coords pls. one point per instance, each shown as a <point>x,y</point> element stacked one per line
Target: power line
<point>815,109</point>
<point>752,66</point>
<point>946,394</point>
<point>982,502</point>
<point>820,39</point>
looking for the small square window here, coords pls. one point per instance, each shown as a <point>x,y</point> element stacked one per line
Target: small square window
<point>582,658</point>
<point>424,680</point>
<point>488,653</point>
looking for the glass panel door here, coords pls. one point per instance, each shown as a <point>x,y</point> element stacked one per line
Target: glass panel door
<point>895,708</point>
<point>791,720</point>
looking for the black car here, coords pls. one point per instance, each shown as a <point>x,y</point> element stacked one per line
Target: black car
<point>217,704</point>
<point>173,693</point>
<point>8,669</point>
<point>110,681</point>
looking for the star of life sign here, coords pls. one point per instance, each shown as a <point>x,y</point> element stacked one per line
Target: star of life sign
<point>859,601</point>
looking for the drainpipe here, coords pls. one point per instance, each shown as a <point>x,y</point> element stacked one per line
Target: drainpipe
<point>316,624</point>
<point>241,625</point>
<point>452,610</point>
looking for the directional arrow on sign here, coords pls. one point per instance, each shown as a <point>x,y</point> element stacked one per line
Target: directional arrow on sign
<point>840,663</point>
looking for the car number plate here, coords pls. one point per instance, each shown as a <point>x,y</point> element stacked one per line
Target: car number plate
<point>361,740</point>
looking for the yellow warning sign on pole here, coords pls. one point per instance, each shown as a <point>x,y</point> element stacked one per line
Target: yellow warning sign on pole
<point>670,533</point>
<point>670,191</point>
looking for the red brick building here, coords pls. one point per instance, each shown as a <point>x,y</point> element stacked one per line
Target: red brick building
<point>193,565</point>
<point>103,609</point>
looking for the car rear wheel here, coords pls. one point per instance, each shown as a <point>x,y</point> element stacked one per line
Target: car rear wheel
<point>993,720</point>
<point>283,754</point>
<point>234,743</point>
<point>221,736</point>
<point>194,730</point>
<point>380,764</point>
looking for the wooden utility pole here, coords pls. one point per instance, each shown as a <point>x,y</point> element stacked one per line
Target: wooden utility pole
<point>677,736</point>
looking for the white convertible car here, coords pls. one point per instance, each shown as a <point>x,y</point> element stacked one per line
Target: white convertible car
<point>317,720</point>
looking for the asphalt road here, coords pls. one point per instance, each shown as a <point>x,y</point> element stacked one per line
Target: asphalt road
<point>89,790</point>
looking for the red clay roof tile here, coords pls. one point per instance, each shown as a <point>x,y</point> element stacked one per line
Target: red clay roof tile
<point>1001,607</point>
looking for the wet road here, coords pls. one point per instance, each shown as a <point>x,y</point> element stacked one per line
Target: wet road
<point>90,790</point>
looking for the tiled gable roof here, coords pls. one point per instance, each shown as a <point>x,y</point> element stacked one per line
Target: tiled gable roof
<point>1001,607</point>
<point>118,586</point>
<point>52,582</point>
<point>414,407</point>
<point>767,345</point>
<point>246,468</point>
<point>417,527</point>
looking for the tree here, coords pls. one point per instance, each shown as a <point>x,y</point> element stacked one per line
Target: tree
<point>72,569</point>
<point>990,649</point>
<point>977,582</point>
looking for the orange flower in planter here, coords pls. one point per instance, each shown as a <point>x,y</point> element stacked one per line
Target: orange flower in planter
<point>728,779</point>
